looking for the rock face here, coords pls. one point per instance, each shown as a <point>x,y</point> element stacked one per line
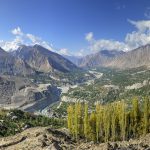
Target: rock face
<point>7,88</point>
<point>99,59</point>
<point>135,58</point>
<point>17,92</point>
<point>13,66</point>
<point>16,68</point>
<point>43,60</point>
<point>115,59</point>
<point>41,138</point>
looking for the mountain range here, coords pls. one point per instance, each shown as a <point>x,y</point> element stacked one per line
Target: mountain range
<point>19,69</point>
<point>12,65</point>
<point>118,59</point>
<point>100,58</point>
<point>27,60</point>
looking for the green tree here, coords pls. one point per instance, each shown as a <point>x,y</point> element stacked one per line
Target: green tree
<point>92,125</point>
<point>86,121</point>
<point>122,120</point>
<point>113,122</point>
<point>106,122</point>
<point>146,116</point>
<point>135,116</point>
<point>70,118</point>
<point>77,119</point>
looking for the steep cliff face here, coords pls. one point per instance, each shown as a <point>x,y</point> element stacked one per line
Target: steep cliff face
<point>43,60</point>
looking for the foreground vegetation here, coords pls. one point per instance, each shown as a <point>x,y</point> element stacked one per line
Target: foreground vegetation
<point>15,121</point>
<point>110,122</point>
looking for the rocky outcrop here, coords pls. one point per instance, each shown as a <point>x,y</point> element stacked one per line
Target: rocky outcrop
<point>17,92</point>
<point>41,138</point>
<point>7,88</point>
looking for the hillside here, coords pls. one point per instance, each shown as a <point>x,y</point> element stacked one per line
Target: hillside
<point>13,66</point>
<point>100,58</point>
<point>118,59</point>
<point>41,138</point>
<point>132,59</point>
<point>43,60</point>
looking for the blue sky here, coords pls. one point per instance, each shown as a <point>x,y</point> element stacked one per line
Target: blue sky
<point>75,26</point>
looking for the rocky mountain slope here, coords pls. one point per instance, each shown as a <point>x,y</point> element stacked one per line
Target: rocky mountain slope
<point>99,59</point>
<point>73,59</point>
<point>18,71</point>
<point>13,66</point>
<point>18,92</point>
<point>115,59</point>
<point>44,138</point>
<point>132,59</point>
<point>43,60</point>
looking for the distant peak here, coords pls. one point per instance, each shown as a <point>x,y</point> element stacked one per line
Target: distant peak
<point>37,46</point>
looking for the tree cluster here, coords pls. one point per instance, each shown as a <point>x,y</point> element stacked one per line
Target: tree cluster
<point>111,122</point>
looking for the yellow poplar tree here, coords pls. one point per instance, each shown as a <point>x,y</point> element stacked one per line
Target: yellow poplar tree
<point>70,118</point>
<point>146,116</point>
<point>86,124</point>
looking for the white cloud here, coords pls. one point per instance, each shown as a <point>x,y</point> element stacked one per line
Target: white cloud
<point>64,51</point>
<point>33,38</point>
<point>139,37</point>
<point>11,45</point>
<point>136,39</point>
<point>17,31</point>
<point>23,38</point>
<point>142,25</point>
<point>89,36</point>
<point>37,40</point>
<point>103,44</point>
<point>80,53</point>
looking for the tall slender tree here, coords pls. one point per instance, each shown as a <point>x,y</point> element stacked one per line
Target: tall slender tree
<point>86,121</point>
<point>135,115</point>
<point>106,122</point>
<point>123,120</point>
<point>113,122</point>
<point>70,119</point>
<point>146,116</point>
<point>98,119</point>
<point>92,123</point>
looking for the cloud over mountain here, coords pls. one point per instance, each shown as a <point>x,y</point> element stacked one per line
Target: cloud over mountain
<point>21,38</point>
<point>139,37</point>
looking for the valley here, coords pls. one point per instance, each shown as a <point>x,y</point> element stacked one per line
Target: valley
<point>74,75</point>
<point>44,91</point>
